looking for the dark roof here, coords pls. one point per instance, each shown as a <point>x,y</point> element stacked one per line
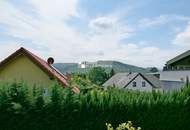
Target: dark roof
<point>153,80</point>
<point>117,80</point>
<point>50,70</point>
<point>179,57</point>
<point>122,80</point>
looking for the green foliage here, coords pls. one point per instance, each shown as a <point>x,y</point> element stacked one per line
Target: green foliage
<point>112,73</point>
<point>153,69</point>
<point>81,80</point>
<point>123,126</point>
<point>22,108</point>
<point>98,75</point>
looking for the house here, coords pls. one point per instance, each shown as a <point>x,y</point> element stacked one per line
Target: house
<point>180,62</point>
<point>25,66</point>
<point>134,81</point>
<point>175,72</point>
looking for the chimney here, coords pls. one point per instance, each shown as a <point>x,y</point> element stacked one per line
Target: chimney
<point>50,60</point>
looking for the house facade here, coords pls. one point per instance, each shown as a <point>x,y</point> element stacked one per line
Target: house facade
<point>179,63</point>
<point>176,72</point>
<point>134,81</point>
<point>27,67</point>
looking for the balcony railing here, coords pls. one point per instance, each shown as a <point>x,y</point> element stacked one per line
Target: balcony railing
<point>176,68</point>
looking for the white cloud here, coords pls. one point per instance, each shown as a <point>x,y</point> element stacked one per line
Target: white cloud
<point>182,18</point>
<point>183,38</point>
<point>55,8</point>
<point>51,33</point>
<point>143,56</point>
<point>7,48</point>
<point>103,23</point>
<point>149,22</point>
<point>47,28</point>
<point>109,25</point>
<point>160,20</point>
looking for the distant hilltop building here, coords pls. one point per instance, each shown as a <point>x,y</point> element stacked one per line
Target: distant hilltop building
<point>86,64</point>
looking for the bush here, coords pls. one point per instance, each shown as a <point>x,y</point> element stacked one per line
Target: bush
<point>123,126</point>
<point>98,75</point>
<point>22,108</point>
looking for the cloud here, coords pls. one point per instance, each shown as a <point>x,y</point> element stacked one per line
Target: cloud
<point>56,8</point>
<point>161,20</point>
<point>135,54</point>
<point>7,48</point>
<point>103,23</point>
<point>47,28</point>
<point>182,18</point>
<point>149,22</point>
<point>110,25</point>
<point>183,38</point>
<point>43,29</point>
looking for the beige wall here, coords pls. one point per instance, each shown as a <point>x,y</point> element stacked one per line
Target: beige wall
<point>23,69</point>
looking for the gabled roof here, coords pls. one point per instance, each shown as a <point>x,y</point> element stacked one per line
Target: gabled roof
<point>50,70</point>
<point>153,80</point>
<point>179,57</point>
<point>115,80</point>
<point>122,80</point>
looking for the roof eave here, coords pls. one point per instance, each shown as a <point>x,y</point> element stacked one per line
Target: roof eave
<point>179,57</point>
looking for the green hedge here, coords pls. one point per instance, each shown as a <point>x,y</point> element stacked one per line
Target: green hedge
<point>22,108</point>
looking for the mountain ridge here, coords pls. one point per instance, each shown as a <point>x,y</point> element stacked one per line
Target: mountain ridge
<point>116,65</point>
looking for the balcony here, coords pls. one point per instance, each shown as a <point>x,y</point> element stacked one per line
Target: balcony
<point>176,68</point>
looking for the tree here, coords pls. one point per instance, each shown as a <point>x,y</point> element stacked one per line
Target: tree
<point>97,75</point>
<point>153,69</point>
<point>187,81</point>
<point>112,73</point>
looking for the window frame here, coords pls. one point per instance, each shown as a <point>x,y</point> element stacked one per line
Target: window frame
<point>134,84</point>
<point>143,84</point>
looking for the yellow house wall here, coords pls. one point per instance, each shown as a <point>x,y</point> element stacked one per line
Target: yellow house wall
<point>23,69</point>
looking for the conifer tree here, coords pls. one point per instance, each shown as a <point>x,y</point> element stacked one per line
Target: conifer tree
<point>112,73</point>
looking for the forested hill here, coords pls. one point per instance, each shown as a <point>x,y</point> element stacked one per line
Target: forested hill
<point>108,65</point>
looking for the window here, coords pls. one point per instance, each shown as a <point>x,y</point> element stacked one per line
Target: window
<point>134,84</point>
<point>45,91</point>
<point>143,84</point>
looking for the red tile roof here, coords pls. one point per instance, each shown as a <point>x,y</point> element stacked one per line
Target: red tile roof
<point>49,69</point>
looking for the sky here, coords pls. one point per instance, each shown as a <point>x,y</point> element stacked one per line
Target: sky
<point>139,32</point>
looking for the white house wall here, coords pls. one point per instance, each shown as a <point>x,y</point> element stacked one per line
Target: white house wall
<point>172,85</point>
<point>174,75</point>
<point>139,79</point>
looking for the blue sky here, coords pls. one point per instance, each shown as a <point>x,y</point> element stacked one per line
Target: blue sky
<point>139,32</point>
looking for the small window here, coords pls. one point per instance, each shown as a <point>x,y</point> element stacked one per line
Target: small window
<point>45,91</point>
<point>143,84</point>
<point>134,84</point>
